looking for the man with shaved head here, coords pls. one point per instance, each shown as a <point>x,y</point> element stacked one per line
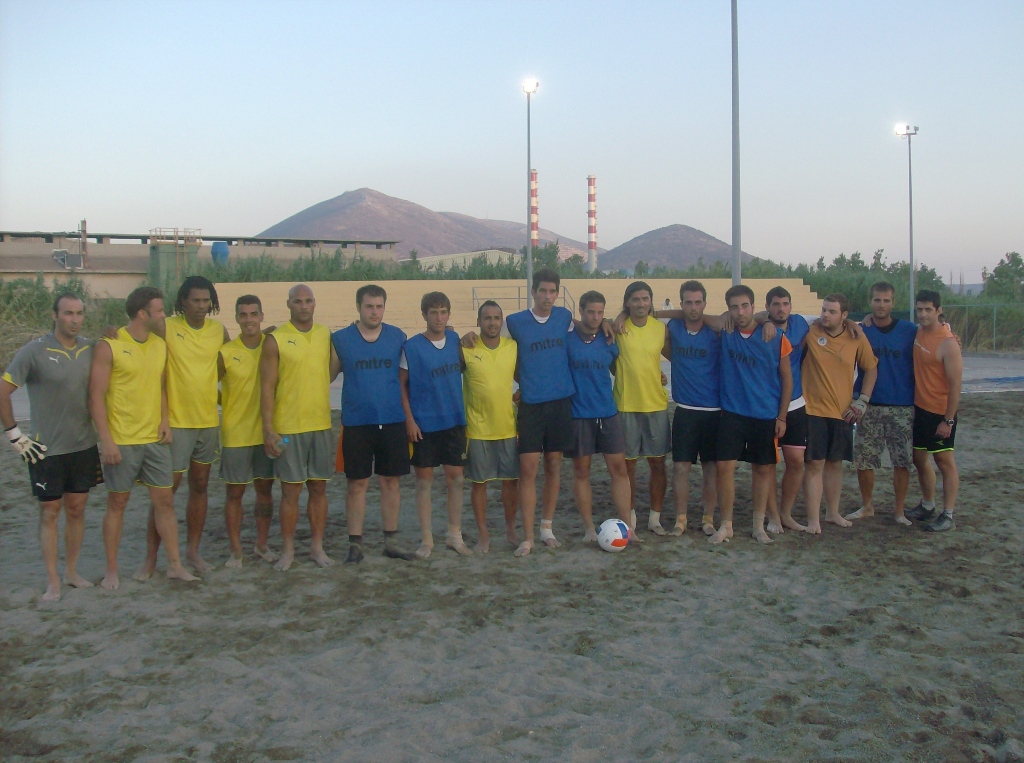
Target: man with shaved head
<point>295,404</point>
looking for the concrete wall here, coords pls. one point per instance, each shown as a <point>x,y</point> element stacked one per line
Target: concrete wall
<point>336,300</point>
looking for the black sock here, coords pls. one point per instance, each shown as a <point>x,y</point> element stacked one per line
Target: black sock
<point>390,534</point>
<point>355,539</point>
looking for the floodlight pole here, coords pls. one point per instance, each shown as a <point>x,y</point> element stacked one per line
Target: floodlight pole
<point>908,132</point>
<point>529,211</point>
<point>737,276</point>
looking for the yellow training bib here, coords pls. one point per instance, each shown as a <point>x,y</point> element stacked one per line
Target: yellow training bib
<point>241,425</point>
<point>303,396</point>
<point>192,372</point>
<point>133,397</point>
<point>637,386</point>
<point>487,390</point>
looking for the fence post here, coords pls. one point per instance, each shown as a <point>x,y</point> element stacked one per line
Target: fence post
<point>995,310</point>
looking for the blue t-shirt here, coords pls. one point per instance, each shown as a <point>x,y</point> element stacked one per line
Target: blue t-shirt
<point>435,382</point>
<point>695,366</point>
<point>543,360</point>
<point>589,364</point>
<point>750,374</point>
<point>796,330</point>
<point>895,352</point>
<point>370,393</point>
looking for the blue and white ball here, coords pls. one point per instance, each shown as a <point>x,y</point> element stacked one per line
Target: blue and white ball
<point>613,535</point>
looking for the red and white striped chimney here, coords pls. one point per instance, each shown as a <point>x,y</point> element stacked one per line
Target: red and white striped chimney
<point>534,230</point>
<point>591,223</point>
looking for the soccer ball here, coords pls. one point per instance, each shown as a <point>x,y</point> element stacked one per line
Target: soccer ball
<point>613,535</point>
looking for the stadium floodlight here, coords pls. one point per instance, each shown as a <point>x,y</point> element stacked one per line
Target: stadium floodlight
<point>904,130</point>
<point>530,85</point>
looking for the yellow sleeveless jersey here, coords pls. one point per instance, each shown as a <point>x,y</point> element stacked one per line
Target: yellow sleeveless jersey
<point>487,390</point>
<point>637,386</point>
<point>240,425</point>
<point>303,396</point>
<point>192,372</point>
<point>133,397</point>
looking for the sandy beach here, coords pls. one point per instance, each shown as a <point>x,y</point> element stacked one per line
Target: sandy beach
<point>873,643</point>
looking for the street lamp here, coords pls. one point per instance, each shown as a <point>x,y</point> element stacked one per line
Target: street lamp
<point>530,85</point>
<point>904,130</point>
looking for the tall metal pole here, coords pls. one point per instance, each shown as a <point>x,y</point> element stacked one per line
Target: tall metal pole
<point>737,276</point>
<point>910,189</point>
<point>529,205</point>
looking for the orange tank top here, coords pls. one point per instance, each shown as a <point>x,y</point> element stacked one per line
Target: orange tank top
<point>931,389</point>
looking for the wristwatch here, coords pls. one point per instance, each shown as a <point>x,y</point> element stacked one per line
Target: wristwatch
<point>950,422</point>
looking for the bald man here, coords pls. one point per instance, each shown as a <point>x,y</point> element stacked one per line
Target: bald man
<point>295,404</point>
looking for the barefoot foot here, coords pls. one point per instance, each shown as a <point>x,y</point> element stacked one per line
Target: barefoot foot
<point>198,563</point>
<point>775,527</point>
<point>424,551</point>
<point>524,548</point>
<point>234,563</point>
<point>75,580</point>
<point>52,592</point>
<point>482,546</point>
<point>902,520</point>
<point>144,573</point>
<point>266,554</point>
<point>321,559</point>
<point>178,572</point>
<point>285,562</point>
<point>111,582</point>
<point>862,513</point>
<point>838,520</point>
<point>791,524</point>
<point>590,536</point>
<point>813,528</point>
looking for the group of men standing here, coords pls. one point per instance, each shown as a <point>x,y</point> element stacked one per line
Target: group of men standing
<point>745,383</point>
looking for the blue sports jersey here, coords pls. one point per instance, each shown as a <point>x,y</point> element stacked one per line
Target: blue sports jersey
<point>895,352</point>
<point>796,330</point>
<point>435,382</point>
<point>543,360</point>
<point>695,366</point>
<point>370,393</point>
<point>750,374</point>
<point>589,365</point>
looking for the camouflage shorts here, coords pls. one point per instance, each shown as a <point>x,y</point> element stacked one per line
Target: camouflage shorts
<point>885,426</point>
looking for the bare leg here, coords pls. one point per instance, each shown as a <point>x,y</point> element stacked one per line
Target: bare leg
<point>791,481</point>
<point>478,500</point>
<point>950,479</point>
<point>709,495</point>
<point>549,496</point>
<point>681,493</point>
<point>195,513</point>
<point>390,503</point>
<point>233,522</point>
<point>813,471</point>
<point>510,504</point>
<point>774,520</point>
<point>584,496</point>
<point>631,473</point>
<point>152,545</point>
<point>316,512</point>
<point>74,532</point>
<point>162,499</point>
<point>529,465</point>
<point>925,475</point>
<point>49,519</point>
<point>424,508</point>
<point>762,480</point>
<point>264,511</point>
<point>355,505</point>
<point>900,483</point>
<point>616,463</point>
<point>866,483</point>
<point>658,487</point>
<point>290,492</point>
<point>832,481</point>
<point>455,482</point>
<point>113,522</point>
<point>726,478</point>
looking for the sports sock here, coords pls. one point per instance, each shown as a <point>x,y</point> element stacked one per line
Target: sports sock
<point>545,530</point>
<point>655,518</point>
<point>928,504</point>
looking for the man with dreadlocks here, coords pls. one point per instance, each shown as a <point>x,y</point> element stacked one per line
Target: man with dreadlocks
<point>193,346</point>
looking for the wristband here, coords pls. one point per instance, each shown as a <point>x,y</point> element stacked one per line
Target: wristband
<point>778,419</point>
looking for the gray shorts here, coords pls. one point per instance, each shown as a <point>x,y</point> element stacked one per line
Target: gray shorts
<point>199,445</point>
<point>648,435</point>
<point>148,464</point>
<point>885,427</point>
<point>240,466</point>
<point>492,460</point>
<point>590,436</point>
<point>307,456</point>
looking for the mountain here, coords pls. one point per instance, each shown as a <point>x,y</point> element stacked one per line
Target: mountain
<point>370,215</point>
<point>675,246</point>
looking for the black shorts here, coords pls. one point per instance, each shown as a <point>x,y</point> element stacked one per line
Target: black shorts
<point>796,429</point>
<point>695,433</point>
<point>828,439</point>
<point>375,448</point>
<point>546,427</point>
<point>76,472</point>
<point>925,424</point>
<point>446,447</point>
<point>741,438</point>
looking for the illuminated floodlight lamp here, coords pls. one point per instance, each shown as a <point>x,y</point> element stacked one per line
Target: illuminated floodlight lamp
<point>903,129</point>
<point>530,85</point>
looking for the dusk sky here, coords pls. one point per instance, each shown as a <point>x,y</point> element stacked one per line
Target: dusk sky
<point>231,116</point>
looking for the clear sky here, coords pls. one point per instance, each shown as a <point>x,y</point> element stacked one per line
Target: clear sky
<point>231,116</point>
